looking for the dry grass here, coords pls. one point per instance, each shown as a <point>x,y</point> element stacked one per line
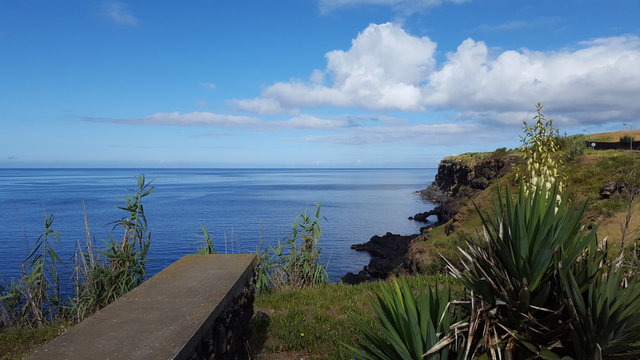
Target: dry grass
<point>614,136</point>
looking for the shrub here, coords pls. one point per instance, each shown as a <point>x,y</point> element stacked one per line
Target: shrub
<point>626,139</point>
<point>572,146</point>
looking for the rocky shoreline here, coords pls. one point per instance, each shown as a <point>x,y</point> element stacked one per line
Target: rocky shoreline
<point>387,254</point>
<point>456,179</point>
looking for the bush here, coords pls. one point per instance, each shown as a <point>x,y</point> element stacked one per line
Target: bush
<point>572,145</point>
<point>626,139</point>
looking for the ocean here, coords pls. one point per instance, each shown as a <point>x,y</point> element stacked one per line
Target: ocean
<point>236,205</point>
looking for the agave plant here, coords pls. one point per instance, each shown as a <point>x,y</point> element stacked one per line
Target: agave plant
<point>540,287</point>
<point>605,317</point>
<point>409,326</point>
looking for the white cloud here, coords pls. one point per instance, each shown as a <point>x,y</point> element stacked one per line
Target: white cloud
<point>257,106</point>
<point>208,85</point>
<point>383,69</point>
<point>118,13</point>
<point>187,119</point>
<point>207,119</point>
<point>422,134</point>
<point>305,121</point>
<point>599,79</point>
<point>387,69</point>
<point>404,6</point>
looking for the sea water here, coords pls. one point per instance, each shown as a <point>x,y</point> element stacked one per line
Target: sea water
<point>238,206</point>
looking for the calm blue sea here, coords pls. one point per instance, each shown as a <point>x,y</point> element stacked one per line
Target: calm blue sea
<point>357,203</point>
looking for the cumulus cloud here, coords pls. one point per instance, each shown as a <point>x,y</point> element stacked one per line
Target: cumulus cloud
<point>404,6</point>
<point>383,69</point>
<point>390,70</point>
<point>599,78</point>
<point>118,13</point>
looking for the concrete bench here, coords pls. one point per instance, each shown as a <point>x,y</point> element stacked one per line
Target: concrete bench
<point>197,308</point>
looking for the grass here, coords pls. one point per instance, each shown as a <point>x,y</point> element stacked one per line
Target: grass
<point>18,342</point>
<point>313,321</point>
<point>614,136</point>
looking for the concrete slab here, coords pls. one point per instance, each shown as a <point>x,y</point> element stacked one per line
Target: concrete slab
<point>159,318</point>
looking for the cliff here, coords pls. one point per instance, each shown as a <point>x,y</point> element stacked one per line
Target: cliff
<point>460,178</point>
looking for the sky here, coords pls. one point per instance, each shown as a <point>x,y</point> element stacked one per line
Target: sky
<point>305,83</point>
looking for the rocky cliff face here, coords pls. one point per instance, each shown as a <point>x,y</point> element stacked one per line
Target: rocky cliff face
<point>460,177</point>
<point>460,172</point>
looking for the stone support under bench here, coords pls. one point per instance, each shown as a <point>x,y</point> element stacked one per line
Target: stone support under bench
<point>197,308</point>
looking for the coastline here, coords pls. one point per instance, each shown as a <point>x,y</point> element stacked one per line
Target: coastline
<point>458,178</point>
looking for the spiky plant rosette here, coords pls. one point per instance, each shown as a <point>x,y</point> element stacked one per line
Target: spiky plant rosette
<point>541,287</point>
<point>513,269</point>
<point>410,326</point>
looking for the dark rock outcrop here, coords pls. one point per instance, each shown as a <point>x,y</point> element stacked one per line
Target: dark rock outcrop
<point>423,216</point>
<point>459,178</point>
<point>456,175</point>
<point>609,189</point>
<point>387,253</point>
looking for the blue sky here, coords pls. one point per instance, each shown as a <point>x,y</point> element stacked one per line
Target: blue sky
<point>317,83</point>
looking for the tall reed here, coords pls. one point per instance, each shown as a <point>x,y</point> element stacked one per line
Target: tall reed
<point>295,262</point>
<point>100,282</point>
<point>35,297</point>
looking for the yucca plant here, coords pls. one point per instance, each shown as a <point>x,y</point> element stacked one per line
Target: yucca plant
<point>512,272</point>
<point>410,326</point>
<point>540,287</point>
<point>605,316</point>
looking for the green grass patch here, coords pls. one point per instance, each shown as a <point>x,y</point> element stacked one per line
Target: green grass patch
<point>17,342</point>
<point>314,320</point>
